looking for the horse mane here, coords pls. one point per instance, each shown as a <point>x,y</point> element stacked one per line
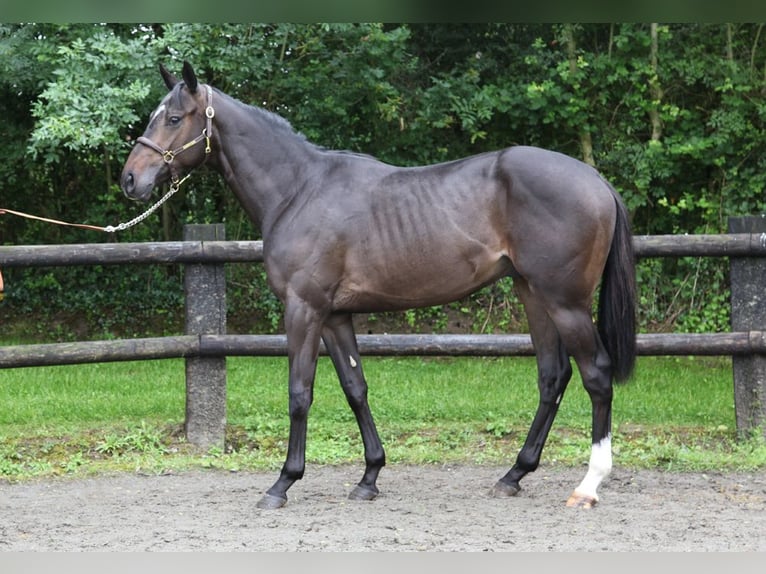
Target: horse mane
<point>276,121</point>
<point>280,123</point>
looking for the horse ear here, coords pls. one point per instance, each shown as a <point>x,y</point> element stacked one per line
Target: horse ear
<point>189,77</point>
<point>170,79</point>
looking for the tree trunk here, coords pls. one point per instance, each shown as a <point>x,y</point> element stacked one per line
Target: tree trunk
<point>753,50</point>
<point>730,43</point>
<point>586,143</point>
<point>107,169</point>
<point>655,90</point>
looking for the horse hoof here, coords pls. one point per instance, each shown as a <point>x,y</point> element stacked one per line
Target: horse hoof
<point>504,490</point>
<point>577,500</point>
<point>271,502</point>
<point>362,493</point>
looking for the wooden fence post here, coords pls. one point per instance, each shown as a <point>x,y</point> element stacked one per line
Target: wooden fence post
<point>748,313</point>
<point>205,310</point>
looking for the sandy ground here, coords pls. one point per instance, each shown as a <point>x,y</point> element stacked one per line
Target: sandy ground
<point>421,508</point>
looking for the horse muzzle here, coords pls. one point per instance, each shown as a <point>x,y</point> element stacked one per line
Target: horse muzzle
<point>135,187</point>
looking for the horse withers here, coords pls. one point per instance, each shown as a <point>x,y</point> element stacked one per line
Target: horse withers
<point>345,233</point>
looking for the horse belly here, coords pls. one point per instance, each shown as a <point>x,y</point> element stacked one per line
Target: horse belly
<point>425,237</point>
<point>418,280</point>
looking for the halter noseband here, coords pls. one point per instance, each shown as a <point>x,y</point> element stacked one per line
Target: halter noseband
<point>169,155</point>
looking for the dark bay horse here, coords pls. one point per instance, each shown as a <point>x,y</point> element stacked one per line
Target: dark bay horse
<point>344,233</point>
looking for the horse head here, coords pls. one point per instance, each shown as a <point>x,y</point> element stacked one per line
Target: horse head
<point>168,147</point>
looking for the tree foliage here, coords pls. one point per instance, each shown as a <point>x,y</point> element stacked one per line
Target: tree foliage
<point>673,115</point>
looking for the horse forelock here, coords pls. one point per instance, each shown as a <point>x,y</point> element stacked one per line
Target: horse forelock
<point>161,108</point>
<point>172,99</point>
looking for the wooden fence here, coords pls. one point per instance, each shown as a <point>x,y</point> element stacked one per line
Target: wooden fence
<point>205,345</point>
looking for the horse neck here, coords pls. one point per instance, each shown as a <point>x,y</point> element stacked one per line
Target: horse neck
<point>259,158</point>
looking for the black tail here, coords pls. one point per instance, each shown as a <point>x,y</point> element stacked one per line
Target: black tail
<point>617,300</point>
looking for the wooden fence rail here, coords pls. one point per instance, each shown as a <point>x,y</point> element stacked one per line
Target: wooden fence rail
<point>206,344</point>
<point>217,251</point>
<point>212,345</point>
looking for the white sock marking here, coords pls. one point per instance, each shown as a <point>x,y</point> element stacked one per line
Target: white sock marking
<point>599,467</point>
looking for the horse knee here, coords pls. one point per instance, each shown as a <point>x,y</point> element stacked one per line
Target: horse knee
<point>356,395</point>
<point>300,403</point>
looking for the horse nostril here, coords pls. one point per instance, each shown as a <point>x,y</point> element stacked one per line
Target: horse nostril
<point>128,183</point>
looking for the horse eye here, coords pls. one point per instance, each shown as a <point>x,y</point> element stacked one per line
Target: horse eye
<point>174,120</point>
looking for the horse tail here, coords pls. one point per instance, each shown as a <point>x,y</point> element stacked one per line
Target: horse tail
<point>617,298</point>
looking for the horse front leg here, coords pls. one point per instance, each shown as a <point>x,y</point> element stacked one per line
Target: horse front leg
<point>303,326</point>
<point>340,340</point>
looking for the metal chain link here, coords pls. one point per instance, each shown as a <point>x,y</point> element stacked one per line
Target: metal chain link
<point>174,187</point>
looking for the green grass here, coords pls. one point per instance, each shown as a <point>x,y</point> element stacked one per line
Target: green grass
<point>677,413</point>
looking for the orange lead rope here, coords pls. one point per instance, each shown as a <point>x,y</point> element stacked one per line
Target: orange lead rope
<point>174,187</point>
<point>21,214</point>
<point>47,220</point>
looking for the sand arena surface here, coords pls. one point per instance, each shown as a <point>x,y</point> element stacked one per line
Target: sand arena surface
<point>420,508</point>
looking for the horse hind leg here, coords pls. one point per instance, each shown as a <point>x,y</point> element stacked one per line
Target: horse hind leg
<point>340,340</point>
<point>582,339</point>
<point>554,373</point>
<point>559,332</point>
<point>597,379</point>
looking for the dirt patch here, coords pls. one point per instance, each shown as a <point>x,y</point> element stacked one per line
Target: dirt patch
<point>421,508</point>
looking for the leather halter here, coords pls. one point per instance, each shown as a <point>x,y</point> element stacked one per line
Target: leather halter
<point>169,155</point>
